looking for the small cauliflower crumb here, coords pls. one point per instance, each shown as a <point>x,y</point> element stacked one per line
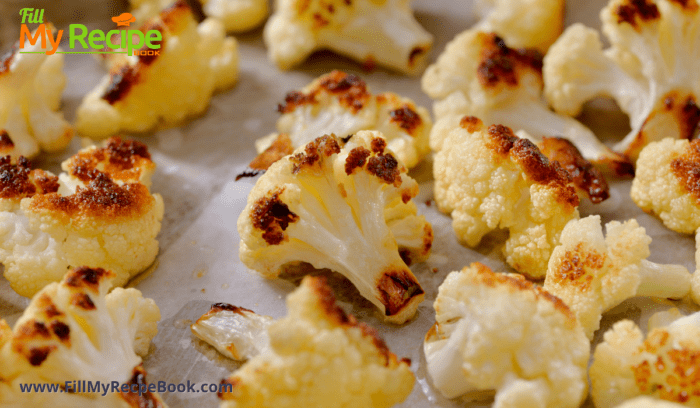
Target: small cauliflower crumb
<point>237,333</point>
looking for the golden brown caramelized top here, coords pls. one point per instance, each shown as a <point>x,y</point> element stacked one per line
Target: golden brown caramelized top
<point>471,124</point>
<point>517,283</point>
<point>584,175</point>
<point>634,12</point>
<point>315,152</point>
<point>6,143</point>
<point>87,278</point>
<point>20,181</point>
<point>282,146</point>
<point>350,90</point>
<point>571,271</point>
<point>123,77</point>
<point>686,168</point>
<point>122,160</point>
<point>674,376</point>
<point>534,164</point>
<point>102,198</point>
<point>501,64</point>
<point>272,216</point>
<point>406,118</point>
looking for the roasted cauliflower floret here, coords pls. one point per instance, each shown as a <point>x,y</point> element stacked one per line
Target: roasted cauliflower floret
<point>30,97</point>
<point>334,205</point>
<point>145,91</point>
<point>500,332</point>
<point>592,273</point>
<point>523,23</point>
<point>72,331</point>
<point>370,31</point>
<point>98,213</point>
<point>342,104</point>
<point>480,75</point>
<point>489,178</point>
<point>320,357</point>
<point>237,333</point>
<point>650,68</point>
<point>667,183</point>
<point>236,15</point>
<point>664,365</point>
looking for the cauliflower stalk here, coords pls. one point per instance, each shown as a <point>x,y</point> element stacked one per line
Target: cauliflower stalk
<point>98,213</point>
<point>500,332</point>
<point>370,31</point>
<point>592,273</point>
<point>319,357</point>
<point>30,96</point>
<point>334,205</point>
<point>664,365</point>
<point>480,75</point>
<point>144,91</point>
<point>236,15</point>
<point>72,331</point>
<point>523,23</point>
<point>649,69</point>
<point>342,104</point>
<point>237,333</point>
<point>489,178</point>
<point>666,183</point>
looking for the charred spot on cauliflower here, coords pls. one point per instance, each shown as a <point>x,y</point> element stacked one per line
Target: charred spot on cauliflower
<point>272,216</point>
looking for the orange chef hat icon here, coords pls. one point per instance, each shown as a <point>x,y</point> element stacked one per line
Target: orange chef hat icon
<point>124,19</point>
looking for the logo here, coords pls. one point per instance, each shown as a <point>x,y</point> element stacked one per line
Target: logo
<point>137,42</point>
<point>124,19</point>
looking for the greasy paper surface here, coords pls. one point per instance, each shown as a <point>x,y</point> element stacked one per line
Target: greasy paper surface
<point>198,262</point>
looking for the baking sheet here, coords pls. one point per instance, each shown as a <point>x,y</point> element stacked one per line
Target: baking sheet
<point>198,262</point>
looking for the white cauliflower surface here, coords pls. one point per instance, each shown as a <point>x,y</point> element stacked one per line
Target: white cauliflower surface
<point>649,68</point>
<point>382,32</point>
<point>99,212</point>
<point>198,264</point>
<point>145,91</point>
<point>73,331</point>
<point>342,104</point>
<point>500,332</point>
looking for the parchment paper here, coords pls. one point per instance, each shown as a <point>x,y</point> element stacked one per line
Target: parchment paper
<point>198,262</point>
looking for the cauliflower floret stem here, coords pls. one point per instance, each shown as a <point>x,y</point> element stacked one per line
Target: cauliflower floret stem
<point>664,281</point>
<point>445,367</point>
